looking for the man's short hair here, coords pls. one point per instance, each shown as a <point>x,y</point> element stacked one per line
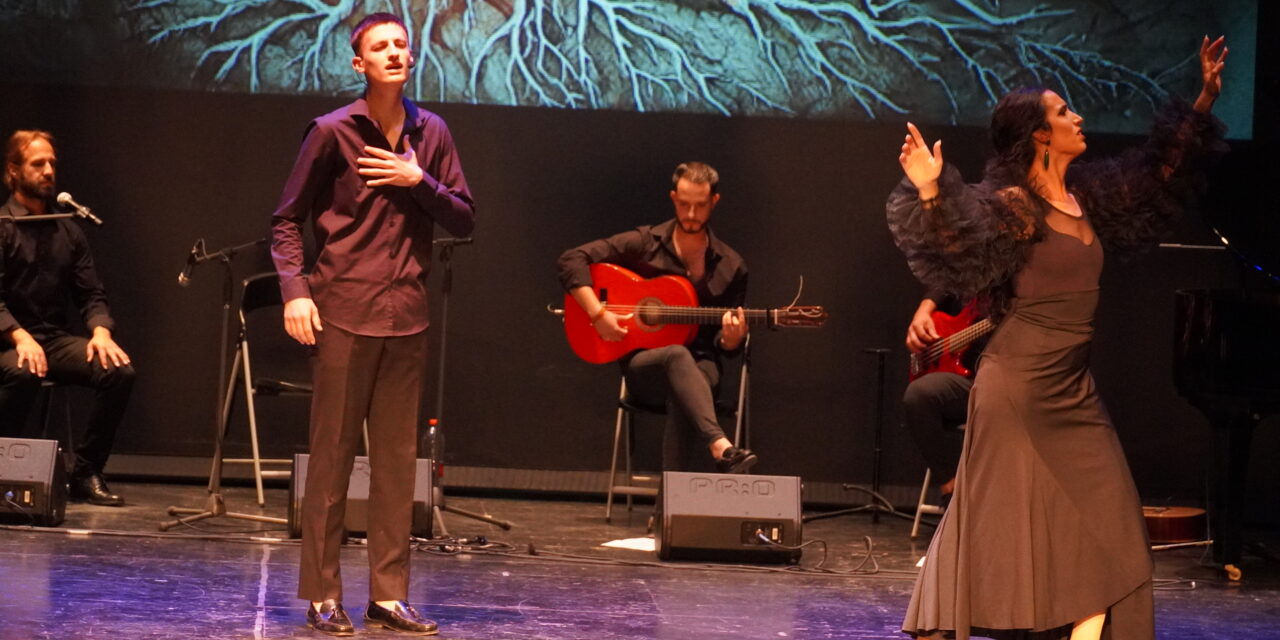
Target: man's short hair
<point>370,21</point>
<point>697,173</point>
<point>17,147</point>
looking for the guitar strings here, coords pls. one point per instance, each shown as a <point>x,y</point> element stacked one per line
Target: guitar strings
<point>957,340</point>
<point>696,312</point>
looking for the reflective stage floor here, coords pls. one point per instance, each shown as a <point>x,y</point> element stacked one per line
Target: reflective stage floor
<point>548,577</point>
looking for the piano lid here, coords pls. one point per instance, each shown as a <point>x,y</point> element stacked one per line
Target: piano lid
<point>1243,208</point>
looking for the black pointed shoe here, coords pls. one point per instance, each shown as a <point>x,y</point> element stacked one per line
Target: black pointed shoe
<point>402,619</point>
<point>330,618</point>
<point>93,489</point>
<point>735,460</point>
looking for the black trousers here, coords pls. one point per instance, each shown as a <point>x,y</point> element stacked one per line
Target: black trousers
<point>66,356</point>
<point>671,376</point>
<point>934,408</point>
<point>357,378</point>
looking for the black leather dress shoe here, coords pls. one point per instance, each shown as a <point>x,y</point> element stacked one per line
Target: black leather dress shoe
<point>93,489</point>
<point>735,460</point>
<point>330,619</point>
<point>402,619</point>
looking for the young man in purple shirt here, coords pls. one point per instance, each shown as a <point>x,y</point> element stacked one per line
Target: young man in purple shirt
<point>374,176</point>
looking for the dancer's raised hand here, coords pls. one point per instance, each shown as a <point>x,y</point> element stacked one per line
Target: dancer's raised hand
<point>921,166</point>
<point>1213,59</point>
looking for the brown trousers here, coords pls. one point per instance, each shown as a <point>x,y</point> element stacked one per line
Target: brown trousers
<point>357,378</point>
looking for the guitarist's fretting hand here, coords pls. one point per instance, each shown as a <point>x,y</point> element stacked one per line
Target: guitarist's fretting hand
<point>733,329</point>
<point>922,332</point>
<point>607,324</point>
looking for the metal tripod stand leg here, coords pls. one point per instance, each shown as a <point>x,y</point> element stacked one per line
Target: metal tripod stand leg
<point>213,508</point>
<point>438,507</point>
<point>506,525</point>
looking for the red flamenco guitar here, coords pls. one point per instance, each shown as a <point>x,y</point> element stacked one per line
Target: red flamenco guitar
<point>958,333</point>
<point>665,312</point>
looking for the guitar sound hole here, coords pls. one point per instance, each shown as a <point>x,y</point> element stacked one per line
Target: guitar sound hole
<point>649,312</point>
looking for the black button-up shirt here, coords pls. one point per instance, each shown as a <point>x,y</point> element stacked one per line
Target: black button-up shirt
<point>374,242</point>
<point>45,266</point>
<point>650,251</point>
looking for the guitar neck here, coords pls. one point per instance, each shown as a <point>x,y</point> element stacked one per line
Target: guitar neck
<point>695,315</point>
<point>965,337</point>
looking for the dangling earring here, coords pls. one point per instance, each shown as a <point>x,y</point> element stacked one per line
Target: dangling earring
<point>1046,157</point>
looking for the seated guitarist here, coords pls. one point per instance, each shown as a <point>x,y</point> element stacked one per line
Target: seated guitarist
<point>683,378</point>
<point>935,405</point>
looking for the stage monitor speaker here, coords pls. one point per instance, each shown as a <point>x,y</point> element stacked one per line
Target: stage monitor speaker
<point>715,516</point>
<point>33,482</point>
<point>358,497</point>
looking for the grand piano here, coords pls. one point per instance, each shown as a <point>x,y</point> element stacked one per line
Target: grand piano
<point>1225,347</point>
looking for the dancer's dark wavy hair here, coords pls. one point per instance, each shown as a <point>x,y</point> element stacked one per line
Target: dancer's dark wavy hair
<point>1019,114</point>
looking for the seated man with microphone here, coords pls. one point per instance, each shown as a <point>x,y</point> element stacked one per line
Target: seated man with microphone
<point>45,268</point>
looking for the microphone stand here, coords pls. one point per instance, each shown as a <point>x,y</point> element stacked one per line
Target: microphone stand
<point>49,216</point>
<point>214,505</point>
<point>878,503</point>
<point>438,504</point>
<point>43,216</point>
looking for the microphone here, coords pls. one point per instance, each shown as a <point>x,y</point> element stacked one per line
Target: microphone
<point>65,200</point>
<point>184,276</point>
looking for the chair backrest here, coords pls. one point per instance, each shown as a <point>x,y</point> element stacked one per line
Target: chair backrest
<point>275,355</point>
<point>259,291</point>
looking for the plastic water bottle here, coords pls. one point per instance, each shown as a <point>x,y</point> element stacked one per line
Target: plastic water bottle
<point>433,446</point>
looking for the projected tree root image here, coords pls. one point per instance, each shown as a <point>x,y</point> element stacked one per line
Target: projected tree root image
<point>940,59</point>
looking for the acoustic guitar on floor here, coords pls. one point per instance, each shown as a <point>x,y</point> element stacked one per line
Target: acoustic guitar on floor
<point>664,312</point>
<point>957,333</point>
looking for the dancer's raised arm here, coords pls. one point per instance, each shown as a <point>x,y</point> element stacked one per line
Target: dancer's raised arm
<point>1132,199</point>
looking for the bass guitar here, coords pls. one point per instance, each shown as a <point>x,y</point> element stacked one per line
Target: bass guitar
<point>958,333</point>
<point>664,311</point>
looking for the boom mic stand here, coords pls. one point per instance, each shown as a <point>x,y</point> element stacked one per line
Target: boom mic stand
<point>438,504</point>
<point>44,216</point>
<point>214,505</point>
<point>76,212</point>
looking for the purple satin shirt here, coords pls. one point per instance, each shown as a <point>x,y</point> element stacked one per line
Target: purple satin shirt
<point>370,277</point>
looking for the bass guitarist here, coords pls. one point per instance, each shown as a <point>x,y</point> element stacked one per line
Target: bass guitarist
<point>936,401</point>
<point>683,378</point>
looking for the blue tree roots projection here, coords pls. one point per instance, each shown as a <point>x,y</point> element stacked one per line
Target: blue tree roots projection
<point>941,61</point>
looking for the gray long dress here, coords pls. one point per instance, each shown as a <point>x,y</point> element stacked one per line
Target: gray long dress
<point>1045,526</point>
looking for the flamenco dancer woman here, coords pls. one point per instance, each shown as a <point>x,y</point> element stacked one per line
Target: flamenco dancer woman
<point>1044,537</point>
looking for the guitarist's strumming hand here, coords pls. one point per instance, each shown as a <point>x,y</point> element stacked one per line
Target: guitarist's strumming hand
<point>608,325</point>
<point>605,322</point>
<point>733,329</point>
<point>922,332</point>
